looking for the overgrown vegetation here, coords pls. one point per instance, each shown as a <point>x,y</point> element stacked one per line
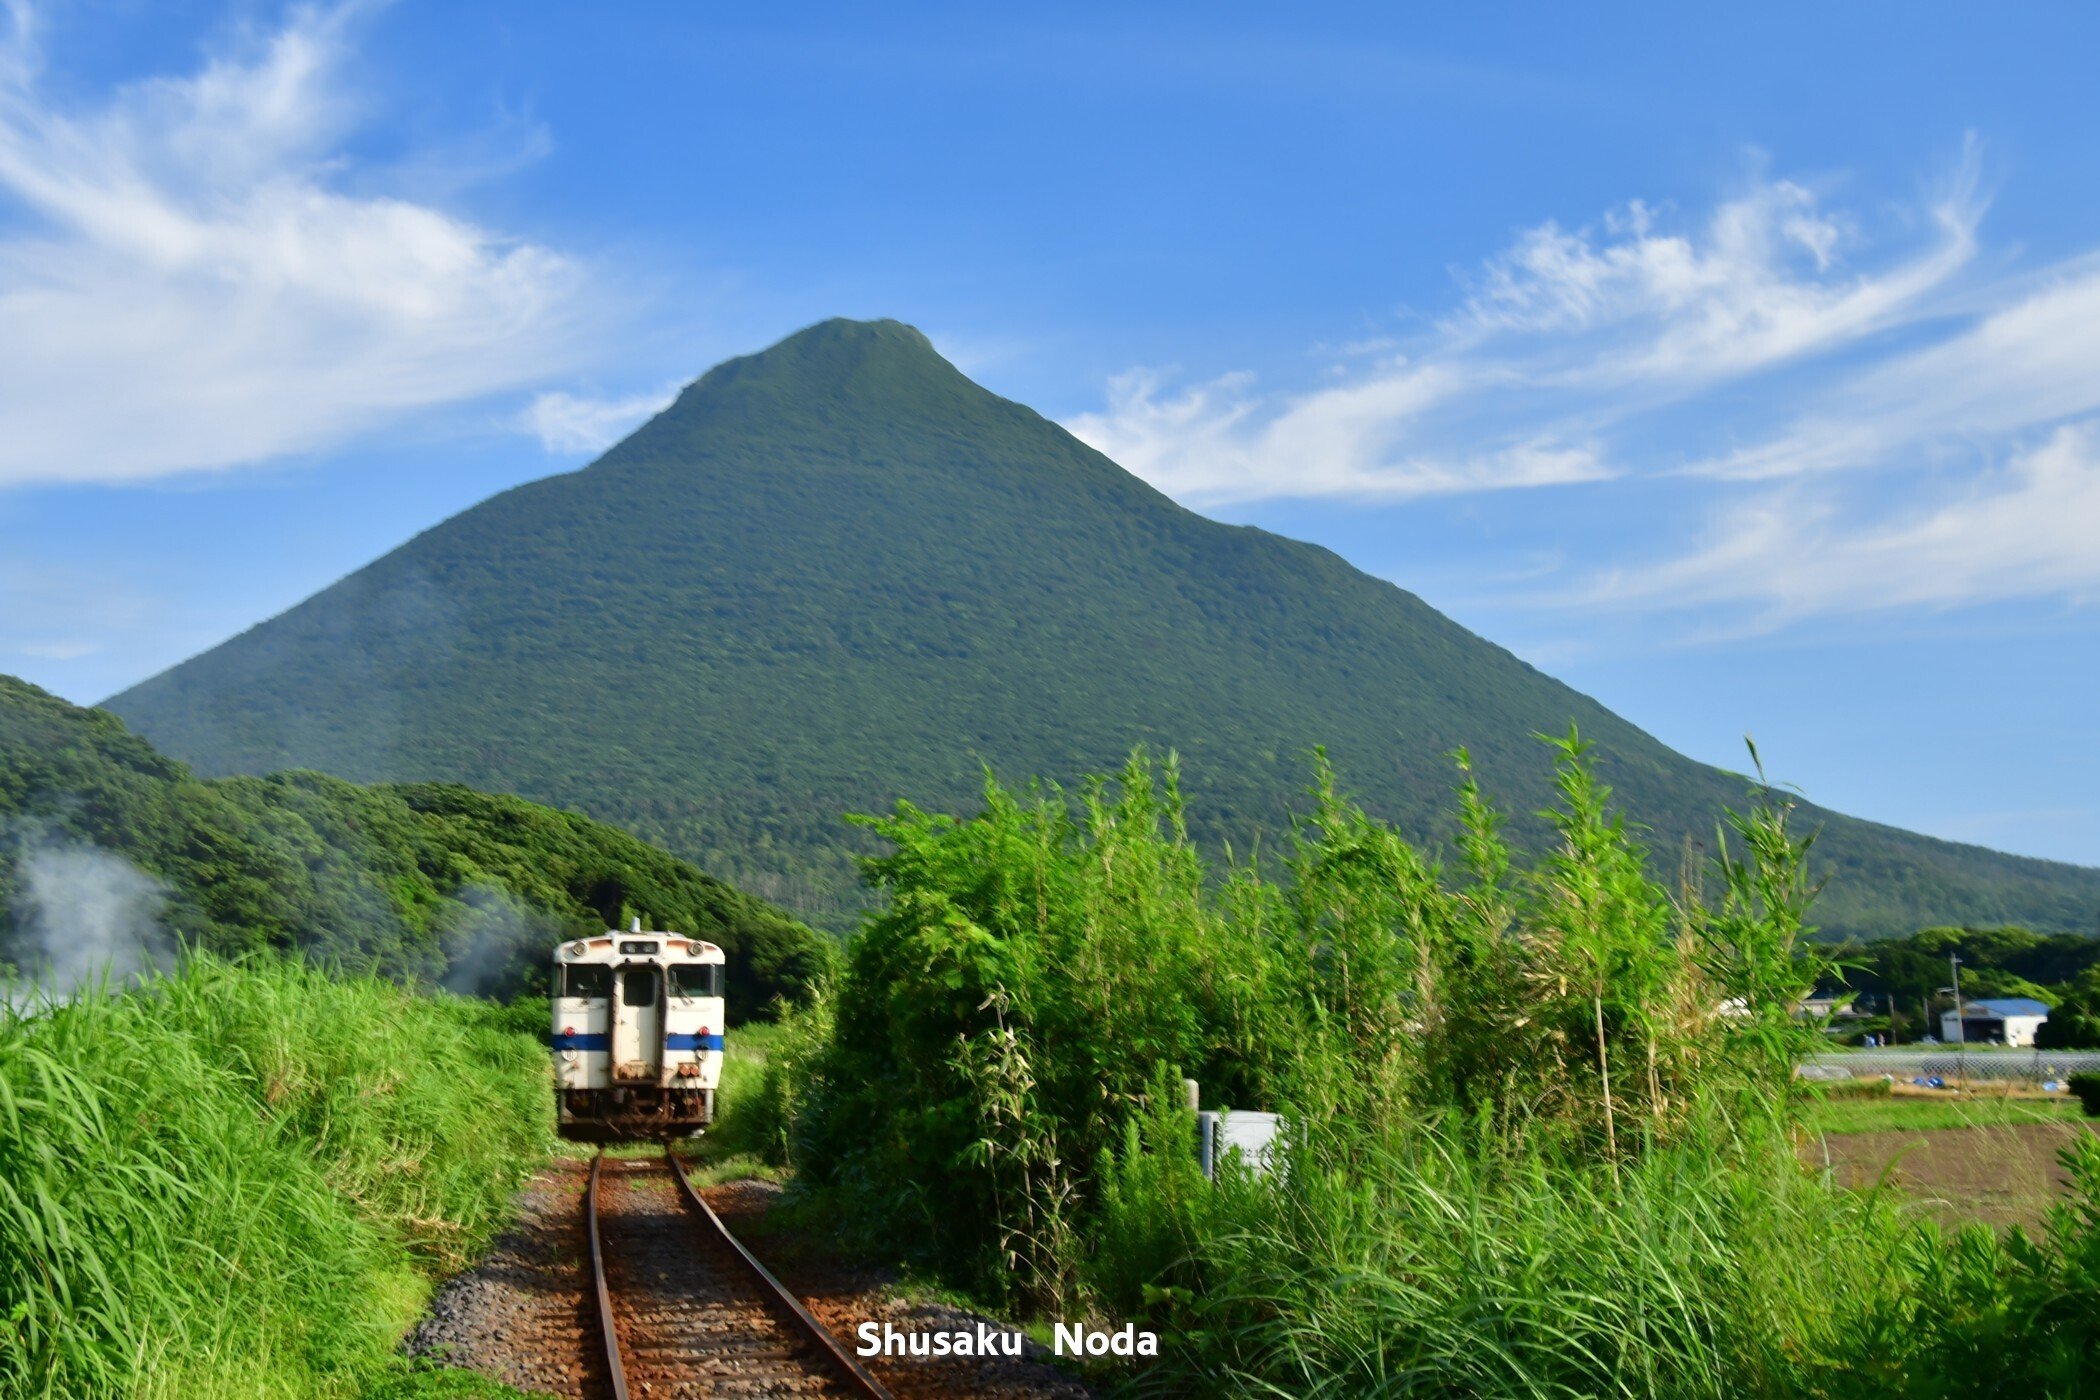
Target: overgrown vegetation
<point>430,882</point>
<point>1540,1122</point>
<point>838,571</point>
<point>241,1179</point>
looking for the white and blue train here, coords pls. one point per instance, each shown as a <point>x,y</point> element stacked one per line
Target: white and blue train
<point>638,1020</point>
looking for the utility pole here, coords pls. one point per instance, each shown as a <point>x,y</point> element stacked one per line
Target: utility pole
<point>1961,1032</point>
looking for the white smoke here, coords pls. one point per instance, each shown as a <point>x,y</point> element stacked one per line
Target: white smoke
<point>85,915</point>
<point>493,941</point>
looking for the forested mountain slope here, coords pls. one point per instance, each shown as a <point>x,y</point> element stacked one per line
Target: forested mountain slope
<point>117,850</point>
<point>838,572</point>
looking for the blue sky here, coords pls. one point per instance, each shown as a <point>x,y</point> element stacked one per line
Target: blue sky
<point>1743,371</point>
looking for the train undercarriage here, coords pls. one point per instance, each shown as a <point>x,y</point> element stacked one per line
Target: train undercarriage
<point>641,1111</point>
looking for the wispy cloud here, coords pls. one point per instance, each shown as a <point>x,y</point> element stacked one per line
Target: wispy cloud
<point>1762,282</point>
<point>1939,430</point>
<point>72,650</point>
<point>1223,440</point>
<point>2027,365</point>
<point>569,423</point>
<point>2023,530</point>
<point>193,280</point>
<point>1563,338</point>
<point>1219,441</point>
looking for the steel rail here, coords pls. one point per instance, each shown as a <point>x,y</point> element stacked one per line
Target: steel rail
<point>849,1370</point>
<point>607,1331</point>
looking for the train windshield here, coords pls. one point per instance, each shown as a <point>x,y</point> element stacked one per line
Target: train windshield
<point>592,980</point>
<point>638,986</point>
<point>696,980</point>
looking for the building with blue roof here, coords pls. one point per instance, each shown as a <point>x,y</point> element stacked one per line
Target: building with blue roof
<point>1995,1021</point>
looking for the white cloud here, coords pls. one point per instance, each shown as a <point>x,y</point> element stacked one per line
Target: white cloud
<point>1940,444</point>
<point>1565,337</point>
<point>190,284</point>
<point>568,423</point>
<point>1758,285</point>
<point>1219,442</point>
<point>72,650</point>
<point>2024,530</point>
<point>2027,365</point>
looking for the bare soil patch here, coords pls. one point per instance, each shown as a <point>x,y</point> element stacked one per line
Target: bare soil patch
<point>2001,1174</point>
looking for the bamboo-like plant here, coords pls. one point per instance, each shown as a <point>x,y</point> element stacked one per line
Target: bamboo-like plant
<point>1537,1121</point>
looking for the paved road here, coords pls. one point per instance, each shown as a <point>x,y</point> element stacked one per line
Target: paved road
<point>1909,1061</point>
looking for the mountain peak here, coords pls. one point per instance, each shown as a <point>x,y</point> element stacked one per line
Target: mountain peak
<point>841,341</point>
<point>836,387</point>
<point>835,356</point>
<point>883,332</point>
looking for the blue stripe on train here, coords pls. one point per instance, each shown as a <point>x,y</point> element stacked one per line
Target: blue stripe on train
<point>602,1041</point>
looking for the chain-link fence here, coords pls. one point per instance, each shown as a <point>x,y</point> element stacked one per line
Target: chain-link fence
<point>1946,1061</point>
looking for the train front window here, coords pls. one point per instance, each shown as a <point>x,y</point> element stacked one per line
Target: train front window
<point>696,980</point>
<point>638,986</point>
<point>592,980</point>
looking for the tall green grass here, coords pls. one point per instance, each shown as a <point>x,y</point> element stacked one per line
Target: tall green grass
<point>240,1180</point>
<point>1437,1265</point>
<point>746,1135</point>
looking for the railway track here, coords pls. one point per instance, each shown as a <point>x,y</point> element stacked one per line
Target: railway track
<point>684,1309</point>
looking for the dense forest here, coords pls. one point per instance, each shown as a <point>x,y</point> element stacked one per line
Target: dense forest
<point>838,572</point>
<point>113,851</point>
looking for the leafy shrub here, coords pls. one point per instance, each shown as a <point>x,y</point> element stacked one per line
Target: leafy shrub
<point>793,1047</point>
<point>1033,971</point>
<point>2087,1088</point>
<point>2074,1022</point>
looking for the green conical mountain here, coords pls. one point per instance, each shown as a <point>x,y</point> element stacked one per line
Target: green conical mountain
<point>838,573</point>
